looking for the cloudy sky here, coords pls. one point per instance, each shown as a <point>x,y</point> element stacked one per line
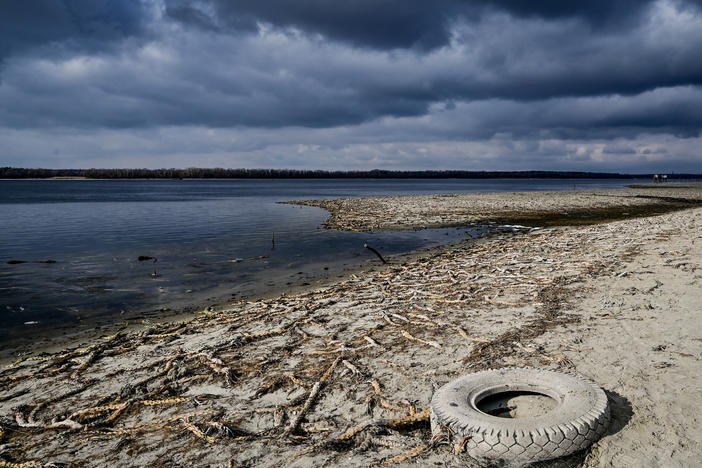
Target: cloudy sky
<point>594,85</point>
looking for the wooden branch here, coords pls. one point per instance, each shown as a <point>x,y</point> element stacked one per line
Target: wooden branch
<point>310,399</point>
<point>375,252</point>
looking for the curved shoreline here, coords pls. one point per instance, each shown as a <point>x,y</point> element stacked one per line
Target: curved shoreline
<point>552,208</point>
<point>285,379</point>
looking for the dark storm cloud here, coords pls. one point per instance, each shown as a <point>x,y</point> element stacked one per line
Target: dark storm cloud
<point>596,12</point>
<point>275,79</point>
<point>393,23</point>
<point>502,58</point>
<point>361,72</point>
<point>381,24</point>
<point>84,24</point>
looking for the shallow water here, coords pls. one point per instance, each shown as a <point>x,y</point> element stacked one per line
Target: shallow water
<point>213,240</point>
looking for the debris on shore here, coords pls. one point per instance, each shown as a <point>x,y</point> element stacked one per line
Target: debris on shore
<point>339,375</point>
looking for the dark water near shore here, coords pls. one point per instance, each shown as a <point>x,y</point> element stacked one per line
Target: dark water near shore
<point>213,240</point>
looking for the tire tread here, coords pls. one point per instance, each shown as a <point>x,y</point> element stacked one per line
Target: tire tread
<point>527,446</point>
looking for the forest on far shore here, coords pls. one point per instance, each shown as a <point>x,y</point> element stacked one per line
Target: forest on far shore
<point>220,173</point>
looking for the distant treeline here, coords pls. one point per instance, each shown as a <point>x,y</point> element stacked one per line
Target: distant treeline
<point>219,173</point>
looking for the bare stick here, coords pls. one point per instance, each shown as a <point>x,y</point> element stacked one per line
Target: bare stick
<point>433,344</point>
<point>310,399</point>
<point>375,252</point>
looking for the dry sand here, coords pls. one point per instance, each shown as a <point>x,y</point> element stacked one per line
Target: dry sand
<point>343,375</point>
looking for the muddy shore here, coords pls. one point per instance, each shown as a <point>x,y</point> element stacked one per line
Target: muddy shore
<point>295,379</point>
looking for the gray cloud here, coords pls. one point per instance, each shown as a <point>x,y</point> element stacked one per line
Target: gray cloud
<point>383,25</point>
<point>362,75</point>
<point>86,25</point>
<point>274,79</point>
<point>396,23</point>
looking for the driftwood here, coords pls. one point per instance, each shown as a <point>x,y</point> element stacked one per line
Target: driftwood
<point>375,252</point>
<point>310,399</point>
<point>267,364</point>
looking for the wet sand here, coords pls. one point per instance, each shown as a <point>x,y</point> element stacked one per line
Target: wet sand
<point>343,374</point>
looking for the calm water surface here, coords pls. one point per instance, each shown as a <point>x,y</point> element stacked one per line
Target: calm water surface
<point>213,240</point>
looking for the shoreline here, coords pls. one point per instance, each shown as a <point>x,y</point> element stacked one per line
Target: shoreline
<point>541,208</point>
<point>226,386</point>
<point>31,343</point>
<point>31,340</point>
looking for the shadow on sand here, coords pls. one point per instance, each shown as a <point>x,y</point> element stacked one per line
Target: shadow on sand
<point>621,411</point>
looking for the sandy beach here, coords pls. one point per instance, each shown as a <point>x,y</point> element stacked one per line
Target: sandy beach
<point>343,375</point>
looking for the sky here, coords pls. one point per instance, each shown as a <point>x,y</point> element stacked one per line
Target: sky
<point>597,85</point>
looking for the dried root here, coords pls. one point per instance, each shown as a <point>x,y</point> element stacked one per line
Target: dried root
<point>396,423</point>
<point>29,464</point>
<point>433,344</point>
<point>310,399</point>
<point>219,367</point>
<point>461,444</point>
<point>407,455</point>
<point>198,433</point>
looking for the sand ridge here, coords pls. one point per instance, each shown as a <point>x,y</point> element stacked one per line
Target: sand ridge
<point>534,208</point>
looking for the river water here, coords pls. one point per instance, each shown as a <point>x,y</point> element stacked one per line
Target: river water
<point>69,249</point>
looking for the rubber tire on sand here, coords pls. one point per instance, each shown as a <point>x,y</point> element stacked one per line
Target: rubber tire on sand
<point>580,418</point>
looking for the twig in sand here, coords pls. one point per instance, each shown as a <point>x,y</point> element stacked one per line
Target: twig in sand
<point>433,344</point>
<point>198,433</point>
<point>379,398</point>
<point>380,422</point>
<point>19,419</point>
<point>29,464</point>
<point>407,455</point>
<point>45,403</point>
<point>166,401</point>
<point>118,412</point>
<point>219,367</point>
<point>371,341</point>
<point>387,319</point>
<point>470,338</point>
<point>354,370</point>
<point>398,316</point>
<point>92,357</point>
<point>91,413</point>
<point>442,436</point>
<point>461,445</point>
<point>310,399</point>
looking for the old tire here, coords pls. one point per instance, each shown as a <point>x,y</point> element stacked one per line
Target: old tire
<point>580,417</point>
